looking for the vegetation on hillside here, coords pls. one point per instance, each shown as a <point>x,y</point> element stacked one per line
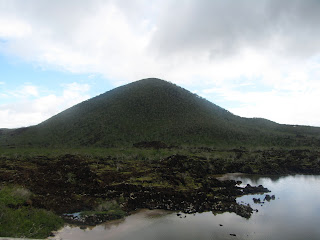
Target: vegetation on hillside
<point>155,110</point>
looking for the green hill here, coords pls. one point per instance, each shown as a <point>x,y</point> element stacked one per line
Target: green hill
<point>155,110</point>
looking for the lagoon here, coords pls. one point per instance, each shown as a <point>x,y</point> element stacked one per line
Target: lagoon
<point>294,214</point>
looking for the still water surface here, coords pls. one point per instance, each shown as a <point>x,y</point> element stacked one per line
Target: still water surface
<point>294,214</point>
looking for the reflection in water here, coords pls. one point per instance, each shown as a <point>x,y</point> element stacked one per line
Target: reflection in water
<point>294,214</point>
<point>249,178</point>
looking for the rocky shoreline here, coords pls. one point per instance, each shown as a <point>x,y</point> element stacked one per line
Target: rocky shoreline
<point>107,188</point>
<point>167,199</point>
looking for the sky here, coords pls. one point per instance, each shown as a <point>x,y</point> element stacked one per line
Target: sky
<point>253,58</point>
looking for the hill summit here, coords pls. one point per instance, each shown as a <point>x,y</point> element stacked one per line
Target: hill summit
<point>154,110</point>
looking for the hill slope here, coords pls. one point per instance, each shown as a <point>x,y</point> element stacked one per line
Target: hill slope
<point>154,110</point>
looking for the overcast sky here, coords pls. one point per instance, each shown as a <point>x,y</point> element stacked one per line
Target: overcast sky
<point>253,58</point>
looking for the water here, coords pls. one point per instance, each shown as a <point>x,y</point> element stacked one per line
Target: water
<point>294,214</point>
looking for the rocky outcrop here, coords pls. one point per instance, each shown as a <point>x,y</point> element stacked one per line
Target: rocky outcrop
<point>252,189</point>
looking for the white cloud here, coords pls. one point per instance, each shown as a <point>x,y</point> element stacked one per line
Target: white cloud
<point>29,91</point>
<point>33,109</point>
<point>282,108</point>
<point>23,91</point>
<point>103,41</point>
<point>289,98</point>
<point>13,28</point>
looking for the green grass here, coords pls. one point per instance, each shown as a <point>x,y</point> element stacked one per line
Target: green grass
<point>28,222</point>
<point>14,196</point>
<point>120,153</point>
<point>20,220</point>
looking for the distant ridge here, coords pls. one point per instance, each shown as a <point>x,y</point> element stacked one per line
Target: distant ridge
<point>155,110</point>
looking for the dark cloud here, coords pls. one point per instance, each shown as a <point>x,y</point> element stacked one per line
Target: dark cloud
<point>221,28</point>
